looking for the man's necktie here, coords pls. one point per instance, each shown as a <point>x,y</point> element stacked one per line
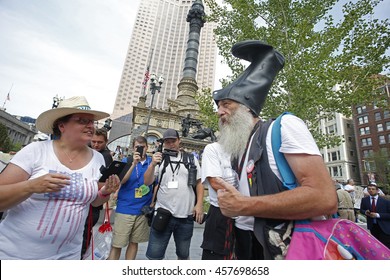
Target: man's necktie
<point>373,206</point>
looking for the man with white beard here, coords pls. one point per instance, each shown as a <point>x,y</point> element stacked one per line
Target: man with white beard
<point>261,202</point>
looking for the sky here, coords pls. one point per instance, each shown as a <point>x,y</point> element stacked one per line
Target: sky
<point>68,48</point>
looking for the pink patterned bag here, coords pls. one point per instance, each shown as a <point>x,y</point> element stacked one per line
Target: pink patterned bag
<point>334,239</point>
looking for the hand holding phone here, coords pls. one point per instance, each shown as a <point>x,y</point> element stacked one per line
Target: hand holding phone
<point>140,150</point>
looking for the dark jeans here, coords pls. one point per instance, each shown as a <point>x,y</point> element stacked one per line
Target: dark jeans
<point>88,228</point>
<point>181,229</point>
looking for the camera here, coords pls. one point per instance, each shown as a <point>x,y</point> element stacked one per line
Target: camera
<point>170,153</point>
<point>140,150</point>
<point>148,212</point>
<point>160,146</point>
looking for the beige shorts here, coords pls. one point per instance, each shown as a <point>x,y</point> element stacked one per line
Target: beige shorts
<point>129,228</point>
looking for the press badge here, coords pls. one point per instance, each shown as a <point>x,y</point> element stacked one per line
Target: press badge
<point>173,184</point>
<point>138,193</point>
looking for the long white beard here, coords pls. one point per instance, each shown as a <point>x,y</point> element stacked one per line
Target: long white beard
<point>235,133</point>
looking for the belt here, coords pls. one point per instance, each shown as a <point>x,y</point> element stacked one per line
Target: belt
<point>346,209</point>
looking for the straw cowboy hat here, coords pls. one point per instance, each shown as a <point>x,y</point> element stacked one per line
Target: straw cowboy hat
<point>73,105</point>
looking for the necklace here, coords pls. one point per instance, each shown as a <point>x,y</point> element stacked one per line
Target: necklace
<point>70,159</point>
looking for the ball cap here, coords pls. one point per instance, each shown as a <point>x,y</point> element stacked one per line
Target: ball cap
<point>372,184</point>
<point>170,134</point>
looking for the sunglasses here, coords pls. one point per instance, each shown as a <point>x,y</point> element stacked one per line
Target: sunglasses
<point>82,121</point>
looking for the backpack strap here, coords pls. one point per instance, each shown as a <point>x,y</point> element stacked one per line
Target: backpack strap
<point>166,162</point>
<point>288,177</point>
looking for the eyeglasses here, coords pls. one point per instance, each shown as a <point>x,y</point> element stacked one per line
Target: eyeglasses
<point>83,121</point>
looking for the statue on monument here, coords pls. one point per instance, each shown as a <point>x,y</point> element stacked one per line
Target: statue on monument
<point>202,133</point>
<point>185,125</point>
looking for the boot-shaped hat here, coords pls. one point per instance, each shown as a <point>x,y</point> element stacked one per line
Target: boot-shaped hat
<point>252,86</point>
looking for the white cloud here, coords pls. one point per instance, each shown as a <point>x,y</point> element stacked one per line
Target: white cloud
<point>62,47</point>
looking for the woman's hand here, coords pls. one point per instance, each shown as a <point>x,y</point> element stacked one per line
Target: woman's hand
<point>111,185</point>
<point>51,182</point>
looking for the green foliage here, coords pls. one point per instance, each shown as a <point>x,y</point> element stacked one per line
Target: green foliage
<point>380,163</point>
<point>17,147</point>
<point>5,142</point>
<point>208,115</point>
<point>320,52</point>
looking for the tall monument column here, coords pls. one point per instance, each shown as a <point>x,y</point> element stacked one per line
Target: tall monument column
<point>185,102</point>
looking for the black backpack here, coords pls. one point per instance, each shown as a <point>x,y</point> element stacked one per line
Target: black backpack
<point>188,160</point>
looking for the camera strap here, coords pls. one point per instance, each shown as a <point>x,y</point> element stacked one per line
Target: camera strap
<point>187,160</point>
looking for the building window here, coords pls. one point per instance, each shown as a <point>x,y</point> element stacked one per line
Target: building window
<point>379,127</point>
<point>386,114</point>
<point>333,156</point>
<point>382,139</point>
<point>362,120</point>
<point>367,153</point>
<point>378,116</point>
<point>361,109</point>
<point>366,142</point>
<point>364,130</point>
<point>331,129</point>
<point>336,171</point>
<point>387,125</point>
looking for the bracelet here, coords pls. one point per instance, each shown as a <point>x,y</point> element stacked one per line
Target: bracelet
<point>101,195</point>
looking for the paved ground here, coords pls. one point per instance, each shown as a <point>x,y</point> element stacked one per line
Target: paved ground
<point>195,250</point>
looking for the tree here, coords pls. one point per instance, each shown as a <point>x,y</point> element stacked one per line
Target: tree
<point>5,142</point>
<point>320,52</point>
<point>207,115</point>
<point>380,164</point>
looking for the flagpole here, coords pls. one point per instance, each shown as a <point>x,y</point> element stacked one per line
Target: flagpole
<point>147,74</point>
<point>7,98</point>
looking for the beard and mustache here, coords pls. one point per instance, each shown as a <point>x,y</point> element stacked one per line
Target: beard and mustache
<point>235,131</point>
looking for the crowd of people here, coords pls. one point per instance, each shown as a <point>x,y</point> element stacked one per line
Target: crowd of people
<point>50,189</point>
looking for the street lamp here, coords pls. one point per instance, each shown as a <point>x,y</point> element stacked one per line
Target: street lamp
<point>155,85</point>
<point>107,124</point>
<point>56,101</point>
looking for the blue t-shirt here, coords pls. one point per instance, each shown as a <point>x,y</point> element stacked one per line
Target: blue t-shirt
<point>129,200</point>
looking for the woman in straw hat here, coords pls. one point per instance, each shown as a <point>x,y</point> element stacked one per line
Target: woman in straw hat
<point>48,186</point>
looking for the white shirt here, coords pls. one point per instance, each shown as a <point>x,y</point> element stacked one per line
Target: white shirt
<point>180,199</point>
<point>49,225</point>
<point>214,160</point>
<point>296,139</point>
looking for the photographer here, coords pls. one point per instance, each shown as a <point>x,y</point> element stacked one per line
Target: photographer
<point>131,226</point>
<point>179,198</point>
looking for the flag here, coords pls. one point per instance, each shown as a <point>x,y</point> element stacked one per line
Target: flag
<point>146,78</point>
<point>8,97</point>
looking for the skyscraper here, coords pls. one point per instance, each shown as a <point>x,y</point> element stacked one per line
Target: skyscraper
<point>158,45</point>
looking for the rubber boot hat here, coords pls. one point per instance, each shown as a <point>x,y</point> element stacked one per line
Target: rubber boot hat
<point>252,86</point>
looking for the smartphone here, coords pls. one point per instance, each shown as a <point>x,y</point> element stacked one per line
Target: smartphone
<point>140,150</point>
<point>116,167</point>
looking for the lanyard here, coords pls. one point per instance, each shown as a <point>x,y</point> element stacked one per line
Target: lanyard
<point>137,173</point>
<point>235,166</point>
<point>176,168</point>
